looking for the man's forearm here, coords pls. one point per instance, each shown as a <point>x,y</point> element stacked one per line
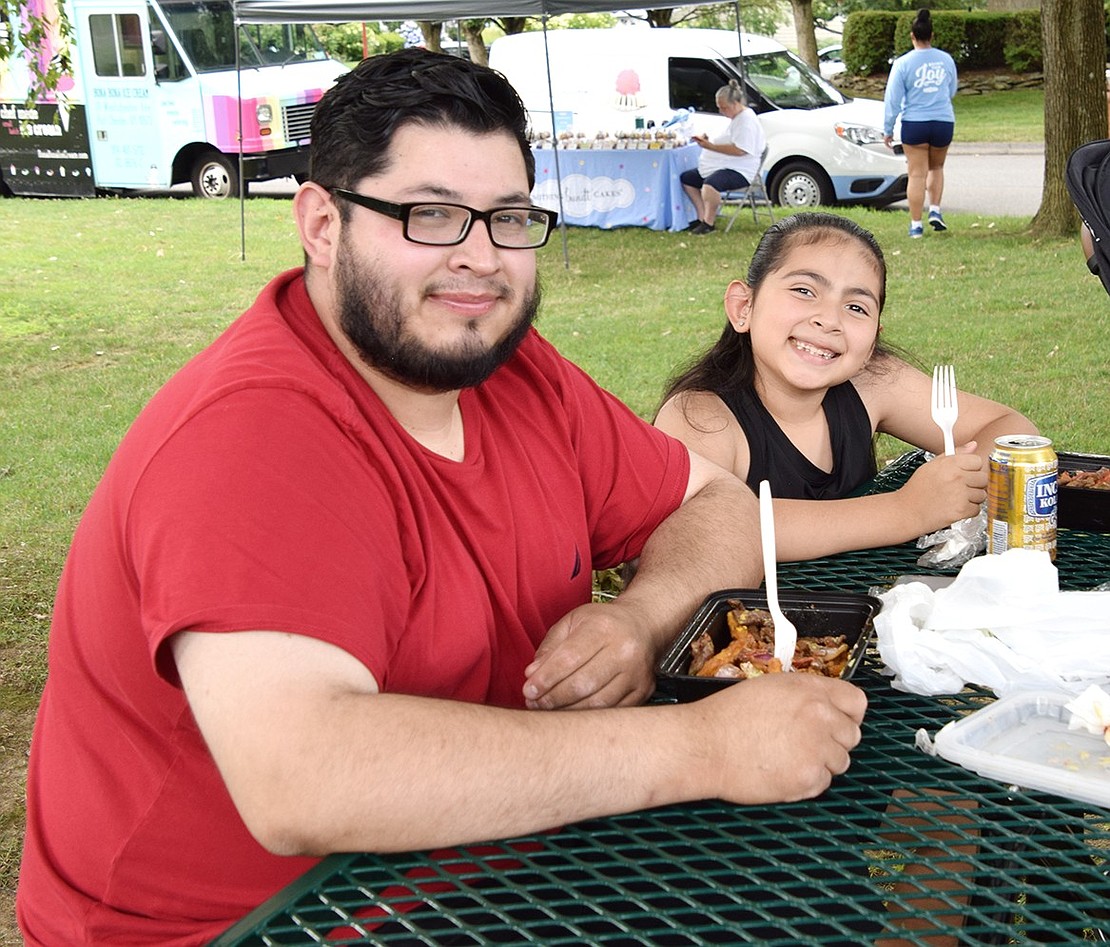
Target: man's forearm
<point>711,542</point>
<point>390,773</point>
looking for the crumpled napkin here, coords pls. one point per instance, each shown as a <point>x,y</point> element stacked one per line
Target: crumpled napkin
<point>1003,623</point>
<point>951,547</point>
<point>1090,711</point>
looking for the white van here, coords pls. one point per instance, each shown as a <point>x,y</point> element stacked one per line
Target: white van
<point>153,99</point>
<point>822,148</point>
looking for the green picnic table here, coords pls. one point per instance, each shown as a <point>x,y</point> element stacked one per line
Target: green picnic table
<point>904,848</point>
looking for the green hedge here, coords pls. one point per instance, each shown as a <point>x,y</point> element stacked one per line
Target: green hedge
<point>975,40</point>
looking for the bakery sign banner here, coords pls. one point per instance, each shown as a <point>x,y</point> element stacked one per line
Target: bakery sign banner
<point>585,196</point>
<point>615,188</point>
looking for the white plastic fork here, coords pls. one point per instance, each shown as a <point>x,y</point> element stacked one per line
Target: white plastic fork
<point>945,407</point>
<point>786,635</point>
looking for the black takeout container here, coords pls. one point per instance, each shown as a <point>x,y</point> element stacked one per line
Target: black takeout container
<point>814,613</point>
<point>1077,508</point>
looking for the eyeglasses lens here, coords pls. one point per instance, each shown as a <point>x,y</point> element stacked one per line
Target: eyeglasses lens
<point>445,224</point>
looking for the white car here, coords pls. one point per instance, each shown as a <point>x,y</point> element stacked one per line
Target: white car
<point>828,57</point>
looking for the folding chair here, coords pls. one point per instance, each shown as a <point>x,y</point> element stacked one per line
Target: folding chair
<point>754,196</point>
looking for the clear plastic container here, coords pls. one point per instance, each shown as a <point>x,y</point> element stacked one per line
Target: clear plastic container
<point>1023,739</point>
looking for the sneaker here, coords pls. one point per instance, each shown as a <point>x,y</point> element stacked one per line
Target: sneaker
<point>695,225</point>
<point>703,228</point>
<point>936,220</point>
<point>916,231</point>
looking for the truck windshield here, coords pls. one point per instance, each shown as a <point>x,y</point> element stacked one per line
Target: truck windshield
<point>205,29</point>
<point>786,82</point>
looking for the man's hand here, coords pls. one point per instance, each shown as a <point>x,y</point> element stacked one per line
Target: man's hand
<point>779,737</point>
<point>946,490</point>
<point>595,656</point>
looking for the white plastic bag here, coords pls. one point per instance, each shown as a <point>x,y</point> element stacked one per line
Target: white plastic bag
<point>1002,623</point>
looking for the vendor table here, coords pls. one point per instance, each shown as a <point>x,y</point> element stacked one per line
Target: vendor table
<point>902,849</point>
<point>617,188</point>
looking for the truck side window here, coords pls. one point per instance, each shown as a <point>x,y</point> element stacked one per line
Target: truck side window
<point>168,66</point>
<point>117,43</point>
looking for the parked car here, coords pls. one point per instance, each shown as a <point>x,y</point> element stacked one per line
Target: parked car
<point>830,62</point>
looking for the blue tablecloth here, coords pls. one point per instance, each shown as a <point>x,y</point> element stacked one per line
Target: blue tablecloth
<point>607,189</point>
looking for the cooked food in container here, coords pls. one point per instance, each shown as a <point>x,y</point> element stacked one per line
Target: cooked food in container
<point>729,639</point>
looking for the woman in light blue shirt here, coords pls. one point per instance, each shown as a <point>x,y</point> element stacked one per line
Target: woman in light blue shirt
<point>920,88</point>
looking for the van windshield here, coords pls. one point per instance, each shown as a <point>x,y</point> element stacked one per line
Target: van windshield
<point>205,30</point>
<point>786,82</point>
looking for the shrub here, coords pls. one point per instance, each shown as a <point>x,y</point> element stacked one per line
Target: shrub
<point>1023,51</point>
<point>975,40</point>
<point>868,41</point>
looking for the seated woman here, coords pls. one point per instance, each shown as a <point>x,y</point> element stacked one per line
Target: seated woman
<point>797,386</point>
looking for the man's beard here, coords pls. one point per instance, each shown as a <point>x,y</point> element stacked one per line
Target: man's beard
<point>371,317</point>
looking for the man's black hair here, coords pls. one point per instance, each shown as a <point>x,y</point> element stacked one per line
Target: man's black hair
<point>354,123</point>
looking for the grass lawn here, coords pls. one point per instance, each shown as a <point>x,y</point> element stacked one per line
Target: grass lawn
<point>1013,116</point>
<point>106,298</point>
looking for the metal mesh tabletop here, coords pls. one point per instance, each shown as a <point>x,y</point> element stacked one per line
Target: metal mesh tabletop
<point>902,849</point>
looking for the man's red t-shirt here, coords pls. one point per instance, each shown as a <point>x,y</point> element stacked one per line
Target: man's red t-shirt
<point>267,487</point>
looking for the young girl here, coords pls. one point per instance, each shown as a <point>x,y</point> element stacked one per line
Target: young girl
<point>797,386</point>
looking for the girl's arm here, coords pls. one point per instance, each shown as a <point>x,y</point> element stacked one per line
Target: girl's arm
<point>808,529</point>
<point>941,492</point>
<point>899,399</point>
<point>702,422</point>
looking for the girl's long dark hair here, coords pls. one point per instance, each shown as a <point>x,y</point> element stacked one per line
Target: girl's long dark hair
<point>728,366</point>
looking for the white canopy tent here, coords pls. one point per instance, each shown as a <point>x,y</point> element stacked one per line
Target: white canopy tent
<point>341,11</point>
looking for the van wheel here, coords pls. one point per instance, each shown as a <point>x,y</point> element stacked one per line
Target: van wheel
<point>215,176</point>
<point>801,184</point>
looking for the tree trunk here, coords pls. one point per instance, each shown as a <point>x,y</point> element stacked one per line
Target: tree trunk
<point>511,25</point>
<point>660,18</point>
<point>433,35</point>
<point>472,33</point>
<point>803,29</point>
<point>1074,101</point>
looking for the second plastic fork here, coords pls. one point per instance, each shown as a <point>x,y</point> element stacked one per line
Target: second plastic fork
<point>786,635</point>
<point>945,407</point>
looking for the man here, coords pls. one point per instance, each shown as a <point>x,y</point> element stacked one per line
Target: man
<point>728,162</point>
<point>333,591</point>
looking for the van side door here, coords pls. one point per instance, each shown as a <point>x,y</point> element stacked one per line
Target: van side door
<point>120,94</point>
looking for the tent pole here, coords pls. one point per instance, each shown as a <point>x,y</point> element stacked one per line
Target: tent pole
<point>555,145</point>
<point>740,44</point>
<point>242,189</point>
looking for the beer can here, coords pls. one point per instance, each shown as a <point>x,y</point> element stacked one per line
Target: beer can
<point>1021,494</point>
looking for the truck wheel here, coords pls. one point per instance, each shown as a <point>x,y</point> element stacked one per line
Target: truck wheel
<point>215,176</point>
<point>801,184</point>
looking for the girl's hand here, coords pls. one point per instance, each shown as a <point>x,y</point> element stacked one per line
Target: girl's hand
<point>946,489</point>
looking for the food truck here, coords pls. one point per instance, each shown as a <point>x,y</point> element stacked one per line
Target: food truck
<point>155,94</point>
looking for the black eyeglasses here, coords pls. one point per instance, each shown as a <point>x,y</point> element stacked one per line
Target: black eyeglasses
<point>444,225</point>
